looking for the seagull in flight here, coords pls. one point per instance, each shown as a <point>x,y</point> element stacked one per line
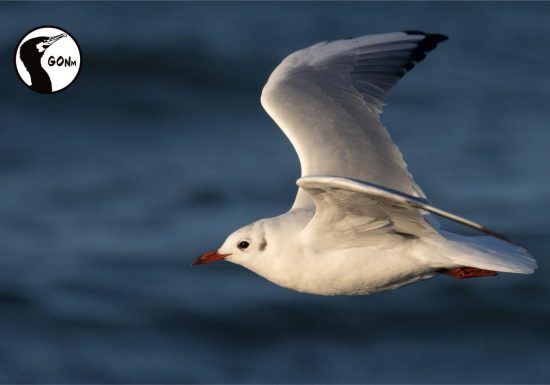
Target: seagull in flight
<point>359,223</point>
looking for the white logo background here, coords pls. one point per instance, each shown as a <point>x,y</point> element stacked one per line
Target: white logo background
<point>66,47</point>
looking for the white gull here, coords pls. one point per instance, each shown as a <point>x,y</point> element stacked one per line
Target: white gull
<point>359,224</point>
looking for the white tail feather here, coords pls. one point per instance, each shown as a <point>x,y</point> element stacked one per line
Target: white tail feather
<point>487,253</point>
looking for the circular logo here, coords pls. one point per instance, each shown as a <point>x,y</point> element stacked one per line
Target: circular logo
<point>47,59</point>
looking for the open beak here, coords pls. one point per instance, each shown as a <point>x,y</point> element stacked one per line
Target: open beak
<point>53,39</point>
<point>211,256</point>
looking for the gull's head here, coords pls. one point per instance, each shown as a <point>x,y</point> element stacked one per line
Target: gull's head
<point>246,247</point>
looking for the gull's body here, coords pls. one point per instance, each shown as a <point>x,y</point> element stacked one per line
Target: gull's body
<point>359,224</point>
<point>299,263</point>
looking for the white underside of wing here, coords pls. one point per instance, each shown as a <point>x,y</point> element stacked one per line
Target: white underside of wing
<point>390,195</point>
<point>327,99</point>
<point>350,214</point>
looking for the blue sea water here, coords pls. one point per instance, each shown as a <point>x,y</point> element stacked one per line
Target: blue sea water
<point>161,148</point>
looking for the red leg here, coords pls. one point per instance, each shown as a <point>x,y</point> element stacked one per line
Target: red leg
<point>467,272</point>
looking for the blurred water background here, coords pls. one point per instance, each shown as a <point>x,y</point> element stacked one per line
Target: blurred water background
<point>161,148</point>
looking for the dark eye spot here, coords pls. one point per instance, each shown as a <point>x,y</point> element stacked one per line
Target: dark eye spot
<point>243,245</point>
<point>263,245</point>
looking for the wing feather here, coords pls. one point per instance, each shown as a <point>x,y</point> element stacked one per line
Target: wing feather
<point>337,198</point>
<point>327,99</point>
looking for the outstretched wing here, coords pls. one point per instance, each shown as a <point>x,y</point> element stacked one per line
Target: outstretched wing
<point>327,99</point>
<point>353,209</point>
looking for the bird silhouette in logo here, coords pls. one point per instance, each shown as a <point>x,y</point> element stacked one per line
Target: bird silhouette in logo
<point>31,52</point>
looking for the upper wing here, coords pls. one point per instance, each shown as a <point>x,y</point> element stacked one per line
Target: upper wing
<point>354,209</point>
<point>327,99</point>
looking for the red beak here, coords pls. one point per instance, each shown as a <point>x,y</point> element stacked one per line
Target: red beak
<point>211,256</point>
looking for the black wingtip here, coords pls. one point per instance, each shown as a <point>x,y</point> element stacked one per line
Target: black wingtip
<point>430,41</point>
<point>434,37</point>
